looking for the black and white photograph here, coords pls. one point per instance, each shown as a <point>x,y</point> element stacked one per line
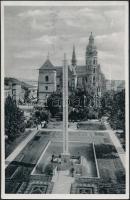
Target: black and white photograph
<point>64,100</point>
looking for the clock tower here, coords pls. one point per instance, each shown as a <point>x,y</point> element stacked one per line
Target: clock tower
<point>91,52</point>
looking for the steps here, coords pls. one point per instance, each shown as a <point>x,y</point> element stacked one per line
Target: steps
<point>62,182</point>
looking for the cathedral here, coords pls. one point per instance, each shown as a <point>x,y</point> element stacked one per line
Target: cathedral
<point>87,77</point>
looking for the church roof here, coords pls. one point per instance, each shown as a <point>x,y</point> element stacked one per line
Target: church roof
<point>91,37</point>
<point>47,65</point>
<point>81,70</point>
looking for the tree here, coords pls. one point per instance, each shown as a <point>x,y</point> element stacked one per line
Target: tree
<point>14,119</point>
<point>113,104</point>
<point>40,115</point>
<point>54,102</point>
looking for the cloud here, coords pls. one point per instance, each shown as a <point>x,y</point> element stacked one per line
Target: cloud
<point>28,54</point>
<point>30,32</point>
<point>105,55</point>
<point>37,18</point>
<point>115,18</point>
<point>33,13</point>
<point>36,25</point>
<point>113,42</point>
<point>46,39</point>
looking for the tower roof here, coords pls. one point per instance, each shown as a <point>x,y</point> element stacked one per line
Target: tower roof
<point>91,46</point>
<point>73,56</point>
<point>91,38</point>
<point>47,65</point>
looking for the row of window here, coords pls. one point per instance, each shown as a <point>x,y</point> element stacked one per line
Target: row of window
<point>46,87</point>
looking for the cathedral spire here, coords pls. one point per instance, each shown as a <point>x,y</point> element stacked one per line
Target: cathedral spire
<point>91,39</point>
<point>74,61</point>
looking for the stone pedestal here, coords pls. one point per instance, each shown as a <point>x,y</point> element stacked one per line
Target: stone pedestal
<point>65,161</point>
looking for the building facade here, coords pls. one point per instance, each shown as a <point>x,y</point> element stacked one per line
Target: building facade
<point>87,77</point>
<point>17,89</point>
<point>14,90</point>
<point>115,85</point>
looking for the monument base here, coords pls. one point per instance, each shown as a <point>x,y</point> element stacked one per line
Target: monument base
<point>65,161</point>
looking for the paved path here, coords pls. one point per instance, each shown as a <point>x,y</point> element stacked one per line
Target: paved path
<point>62,182</point>
<point>19,148</point>
<point>73,130</point>
<point>50,129</point>
<point>117,143</point>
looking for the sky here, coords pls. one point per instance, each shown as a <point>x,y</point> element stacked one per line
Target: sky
<point>30,32</point>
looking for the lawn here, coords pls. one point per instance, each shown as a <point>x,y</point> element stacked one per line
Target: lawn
<point>30,154</point>
<point>110,166</point>
<point>34,148</point>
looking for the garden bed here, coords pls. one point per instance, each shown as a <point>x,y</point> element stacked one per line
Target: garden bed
<point>75,148</point>
<point>91,125</point>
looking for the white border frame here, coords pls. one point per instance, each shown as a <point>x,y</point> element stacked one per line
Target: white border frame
<point>64,196</point>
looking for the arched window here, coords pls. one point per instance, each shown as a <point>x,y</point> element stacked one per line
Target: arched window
<point>93,80</point>
<point>94,61</point>
<point>46,87</point>
<point>46,78</point>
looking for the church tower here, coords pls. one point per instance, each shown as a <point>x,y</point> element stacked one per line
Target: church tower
<point>46,80</point>
<point>74,64</point>
<point>92,68</point>
<point>73,61</point>
<point>91,52</point>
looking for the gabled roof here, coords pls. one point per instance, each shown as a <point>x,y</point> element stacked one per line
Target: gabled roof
<point>47,65</point>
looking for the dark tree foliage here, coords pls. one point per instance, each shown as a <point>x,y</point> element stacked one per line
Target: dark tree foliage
<point>14,119</point>
<point>54,102</point>
<point>113,105</point>
<point>40,115</point>
<point>105,151</point>
<point>79,98</point>
<point>78,114</point>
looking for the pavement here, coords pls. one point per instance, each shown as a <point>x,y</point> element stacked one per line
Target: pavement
<point>116,143</point>
<point>19,148</point>
<point>62,182</point>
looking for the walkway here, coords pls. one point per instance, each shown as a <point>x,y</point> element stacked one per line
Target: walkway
<point>116,143</point>
<point>19,148</point>
<point>62,182</point>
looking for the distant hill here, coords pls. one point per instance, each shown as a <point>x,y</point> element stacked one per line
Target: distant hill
<point>10,81</point>
<point>32,82</point>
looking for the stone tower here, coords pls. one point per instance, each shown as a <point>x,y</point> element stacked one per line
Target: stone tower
<point>92,69</point>
<point>46,81</point>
